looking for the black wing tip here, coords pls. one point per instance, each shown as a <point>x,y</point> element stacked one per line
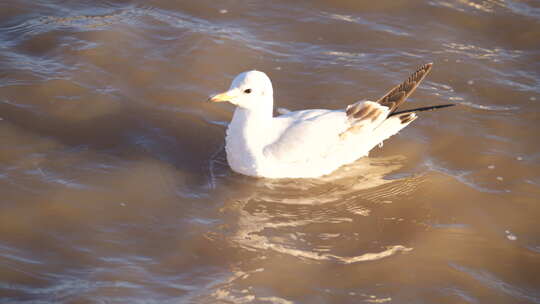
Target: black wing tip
<point>430,108</point>
<point>439,107</point>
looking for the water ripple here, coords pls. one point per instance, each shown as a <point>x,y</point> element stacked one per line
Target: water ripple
<point>495,283</point>
<point>496,54</point>
<point>378,26</point>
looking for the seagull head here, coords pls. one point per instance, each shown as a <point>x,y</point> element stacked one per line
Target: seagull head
<point>249,90</point>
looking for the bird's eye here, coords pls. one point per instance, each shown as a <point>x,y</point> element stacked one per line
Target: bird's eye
<point>247,91</point>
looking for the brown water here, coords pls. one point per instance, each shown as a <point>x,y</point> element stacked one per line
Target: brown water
<point>113,182</point>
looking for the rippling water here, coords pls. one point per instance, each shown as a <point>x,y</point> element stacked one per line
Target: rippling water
<point>113,182</point>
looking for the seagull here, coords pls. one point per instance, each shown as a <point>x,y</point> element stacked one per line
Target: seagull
<point>308,143</point>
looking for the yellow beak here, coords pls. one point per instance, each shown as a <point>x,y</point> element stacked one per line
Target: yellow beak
<point>226,96</point>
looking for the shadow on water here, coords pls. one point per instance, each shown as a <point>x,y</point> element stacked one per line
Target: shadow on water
<point>113,182</point>
<point>128,133</point>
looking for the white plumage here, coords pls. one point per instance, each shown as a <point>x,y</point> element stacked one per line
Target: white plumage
<point>308,143</point>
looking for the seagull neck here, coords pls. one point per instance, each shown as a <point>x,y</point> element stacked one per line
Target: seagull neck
<point>258,117</point>
<point>251,127</point>
<point>252,118</point>
<point>247,135</point>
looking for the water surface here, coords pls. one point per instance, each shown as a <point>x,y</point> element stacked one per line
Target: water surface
<point>114,186</point>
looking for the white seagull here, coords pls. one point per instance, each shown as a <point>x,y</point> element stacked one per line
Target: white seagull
<point>308,143</point>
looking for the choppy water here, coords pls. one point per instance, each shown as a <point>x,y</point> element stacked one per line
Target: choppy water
<point>112,176</point>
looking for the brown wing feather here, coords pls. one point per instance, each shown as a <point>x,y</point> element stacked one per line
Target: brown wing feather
<point>395,97</point>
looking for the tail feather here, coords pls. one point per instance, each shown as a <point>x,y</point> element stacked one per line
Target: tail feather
<point>378,116</point>
<point>407,117</point>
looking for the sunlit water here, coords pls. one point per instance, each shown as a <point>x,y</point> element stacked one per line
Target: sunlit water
<point>114,187</point>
